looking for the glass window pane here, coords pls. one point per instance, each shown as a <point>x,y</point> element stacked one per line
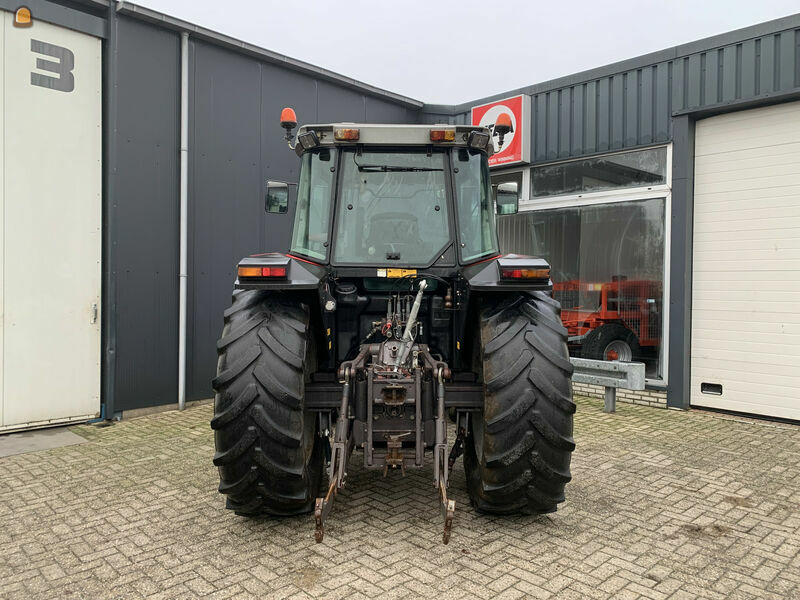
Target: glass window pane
<point>640,168</point>
<point>310,235</point>
<point>477,229</point>
<point>393,208</point>
<point>607,264</point>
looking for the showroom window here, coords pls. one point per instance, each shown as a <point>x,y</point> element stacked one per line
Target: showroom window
<point>639,168</point>
<point>607,254</point>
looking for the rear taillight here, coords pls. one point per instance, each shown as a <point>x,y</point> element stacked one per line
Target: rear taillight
<point>443,135</point>
<point>525,273</point>
<point>346,134</point>
<point>262,271</point>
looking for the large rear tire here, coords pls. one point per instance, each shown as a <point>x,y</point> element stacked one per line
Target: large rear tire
<point>269,457</point>
<point>518,453</point>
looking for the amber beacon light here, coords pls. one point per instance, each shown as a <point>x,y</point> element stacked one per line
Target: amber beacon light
<point>288,122</point>
<point>288,118</point>
<point>22,17</point>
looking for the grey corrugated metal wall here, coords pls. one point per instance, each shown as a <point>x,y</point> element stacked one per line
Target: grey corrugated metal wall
<point>145,207</point>
<point>236,144</point>
<point>634,107</point>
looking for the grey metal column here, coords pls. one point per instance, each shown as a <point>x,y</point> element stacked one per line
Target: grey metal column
<point>109,333</point>
<point>184,215</point>
<point>680,272</point>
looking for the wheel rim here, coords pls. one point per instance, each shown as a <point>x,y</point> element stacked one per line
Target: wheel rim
<point>618,350</point>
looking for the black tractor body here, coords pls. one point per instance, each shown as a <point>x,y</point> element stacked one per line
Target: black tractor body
<point>393,308</point>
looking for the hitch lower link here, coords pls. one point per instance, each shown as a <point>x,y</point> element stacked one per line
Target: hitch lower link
<point>441,460</point>
<point>340,453</point>
<point>343,447</point>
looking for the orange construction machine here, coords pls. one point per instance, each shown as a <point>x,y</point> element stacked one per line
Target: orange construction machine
<point>613,320</point>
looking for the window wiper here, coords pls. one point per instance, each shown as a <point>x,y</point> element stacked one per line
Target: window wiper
<point>392,169</point>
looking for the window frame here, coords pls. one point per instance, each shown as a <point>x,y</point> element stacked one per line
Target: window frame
<point>558,200</point>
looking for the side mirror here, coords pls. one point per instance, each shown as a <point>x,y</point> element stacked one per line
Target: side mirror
<point>276,199</point>
<point>507,198</point>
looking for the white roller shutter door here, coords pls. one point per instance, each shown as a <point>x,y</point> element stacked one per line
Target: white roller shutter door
<point>746,262</point>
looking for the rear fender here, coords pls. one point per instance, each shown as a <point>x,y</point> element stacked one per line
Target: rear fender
<point>486,276</point>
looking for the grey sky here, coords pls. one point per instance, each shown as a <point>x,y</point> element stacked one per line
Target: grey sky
<point>452,51</point>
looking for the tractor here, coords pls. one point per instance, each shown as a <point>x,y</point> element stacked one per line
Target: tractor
<point>392,310</point>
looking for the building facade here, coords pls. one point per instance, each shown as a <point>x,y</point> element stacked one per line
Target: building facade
<point>664,190</point>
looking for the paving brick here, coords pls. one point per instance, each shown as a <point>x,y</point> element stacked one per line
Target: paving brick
<point>663,504</point>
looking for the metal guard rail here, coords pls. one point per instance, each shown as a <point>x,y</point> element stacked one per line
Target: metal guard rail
<point>611,375</point>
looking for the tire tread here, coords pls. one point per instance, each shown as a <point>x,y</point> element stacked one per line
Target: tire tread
<point>269,457</point>
<point>517,459</point>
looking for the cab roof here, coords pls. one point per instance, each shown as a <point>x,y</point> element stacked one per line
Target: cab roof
<point>394,134</point>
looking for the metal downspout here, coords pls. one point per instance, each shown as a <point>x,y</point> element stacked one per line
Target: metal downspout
<point>109,314</point>
<point>183,275</point>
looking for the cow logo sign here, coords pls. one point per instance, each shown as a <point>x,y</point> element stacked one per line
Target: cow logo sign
<point>516,145</point>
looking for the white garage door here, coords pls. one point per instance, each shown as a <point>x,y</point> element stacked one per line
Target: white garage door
<point>746,275</point>
<point>50,224</point>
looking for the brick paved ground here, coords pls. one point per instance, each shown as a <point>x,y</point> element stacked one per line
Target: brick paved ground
<point>663,504</point>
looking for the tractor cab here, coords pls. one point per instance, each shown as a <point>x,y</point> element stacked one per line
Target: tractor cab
<point>387,195</point>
